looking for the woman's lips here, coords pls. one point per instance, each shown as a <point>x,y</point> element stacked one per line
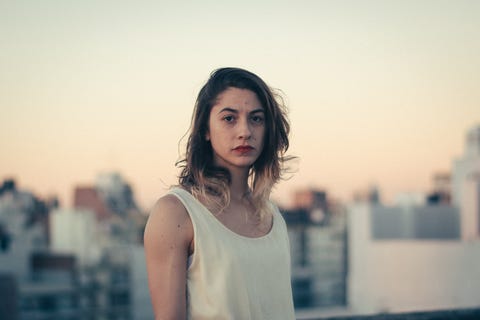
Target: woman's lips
<point>243,149</point>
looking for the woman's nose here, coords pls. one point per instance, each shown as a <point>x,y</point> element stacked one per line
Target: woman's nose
<point>244,130</point>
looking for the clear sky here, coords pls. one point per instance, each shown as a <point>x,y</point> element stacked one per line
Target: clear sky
<point>379,91</point>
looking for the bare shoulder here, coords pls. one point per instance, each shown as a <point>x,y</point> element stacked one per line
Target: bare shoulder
<point>169,209</point>
<point>170,205</point>
<point>169,218</point>
<point>167,239</point>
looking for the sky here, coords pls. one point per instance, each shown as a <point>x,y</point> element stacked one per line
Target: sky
<point>379,92</point>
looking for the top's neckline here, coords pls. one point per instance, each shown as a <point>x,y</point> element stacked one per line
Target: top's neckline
<point>210,213</point>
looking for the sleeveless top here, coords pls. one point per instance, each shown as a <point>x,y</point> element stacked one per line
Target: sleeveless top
<point>236,277</point>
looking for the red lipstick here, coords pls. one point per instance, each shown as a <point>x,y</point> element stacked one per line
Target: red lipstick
<point>243,149</point>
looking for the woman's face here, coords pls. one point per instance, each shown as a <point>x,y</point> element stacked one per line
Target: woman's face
<point>236,129</point>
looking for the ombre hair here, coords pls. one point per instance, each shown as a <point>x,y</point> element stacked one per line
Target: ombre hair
<point>206,181</point>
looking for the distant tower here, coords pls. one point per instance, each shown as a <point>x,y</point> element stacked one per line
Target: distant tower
<point>314,202</point>
<point>441,192</point>
<point>115,192</point>
<point>466,186</point>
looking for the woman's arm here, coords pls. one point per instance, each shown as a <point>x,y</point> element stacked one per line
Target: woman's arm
<point>167,238</point>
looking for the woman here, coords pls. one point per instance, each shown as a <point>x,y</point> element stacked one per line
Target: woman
<point>216,248</point>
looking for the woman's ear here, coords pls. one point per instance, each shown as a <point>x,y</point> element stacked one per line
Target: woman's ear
<point>207,136</point>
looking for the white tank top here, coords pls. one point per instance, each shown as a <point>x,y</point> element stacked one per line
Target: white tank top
<point>233,276</point>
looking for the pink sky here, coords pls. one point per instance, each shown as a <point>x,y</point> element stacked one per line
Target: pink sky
<point>379,92</point>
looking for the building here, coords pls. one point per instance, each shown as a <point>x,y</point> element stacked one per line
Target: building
<point>88,198</point>
<point>466,185</point>
<point>23,229</point>
<point>414,222</point>
<point>79,263</point>
<point>41,284</point>
<point>112,202</point>
<point>116,193</point>
<point>141,303</point>
<point>441,193</point>
<point>415,257</point>
<point>317,235</point>
<point>405,272</point>
<point>75,231</point>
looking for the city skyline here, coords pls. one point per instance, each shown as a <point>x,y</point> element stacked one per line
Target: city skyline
<point>379,92</point>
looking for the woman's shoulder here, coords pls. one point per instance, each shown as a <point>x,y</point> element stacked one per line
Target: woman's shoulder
<point>169,206</point>
<point>169,214</point>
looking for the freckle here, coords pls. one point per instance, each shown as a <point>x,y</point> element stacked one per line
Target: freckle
<point>178,226</point>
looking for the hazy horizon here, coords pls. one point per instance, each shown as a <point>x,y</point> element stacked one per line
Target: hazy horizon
<point>379,92</point>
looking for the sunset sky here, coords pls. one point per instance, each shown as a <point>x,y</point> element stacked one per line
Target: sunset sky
<point>379,92</point>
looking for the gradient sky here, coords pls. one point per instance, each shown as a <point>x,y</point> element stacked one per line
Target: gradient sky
<point>379,92</point>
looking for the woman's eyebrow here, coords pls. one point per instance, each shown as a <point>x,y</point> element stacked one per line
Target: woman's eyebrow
<point>227,109</point>
<point>257,111</point>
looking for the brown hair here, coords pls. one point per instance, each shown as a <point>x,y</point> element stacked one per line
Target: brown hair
<point>200,176</point>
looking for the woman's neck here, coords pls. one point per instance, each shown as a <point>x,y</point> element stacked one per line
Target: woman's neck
<point>239,185</point>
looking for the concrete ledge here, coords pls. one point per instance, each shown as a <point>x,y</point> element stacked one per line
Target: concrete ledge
<point>458,314</point>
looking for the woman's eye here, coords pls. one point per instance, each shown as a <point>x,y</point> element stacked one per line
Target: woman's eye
<point>228,118</point>
<point>257,119</point>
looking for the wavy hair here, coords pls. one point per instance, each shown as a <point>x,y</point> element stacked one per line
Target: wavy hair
<point>201,177</point>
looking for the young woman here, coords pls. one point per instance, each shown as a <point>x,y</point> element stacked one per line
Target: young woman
<point>216,247</point>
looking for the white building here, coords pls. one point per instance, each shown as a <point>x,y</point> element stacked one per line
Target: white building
<point>75,231</point>
<point>400,275</point>
<point>24,238</point>
<point>466,185</point>
<point>400,271</point>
